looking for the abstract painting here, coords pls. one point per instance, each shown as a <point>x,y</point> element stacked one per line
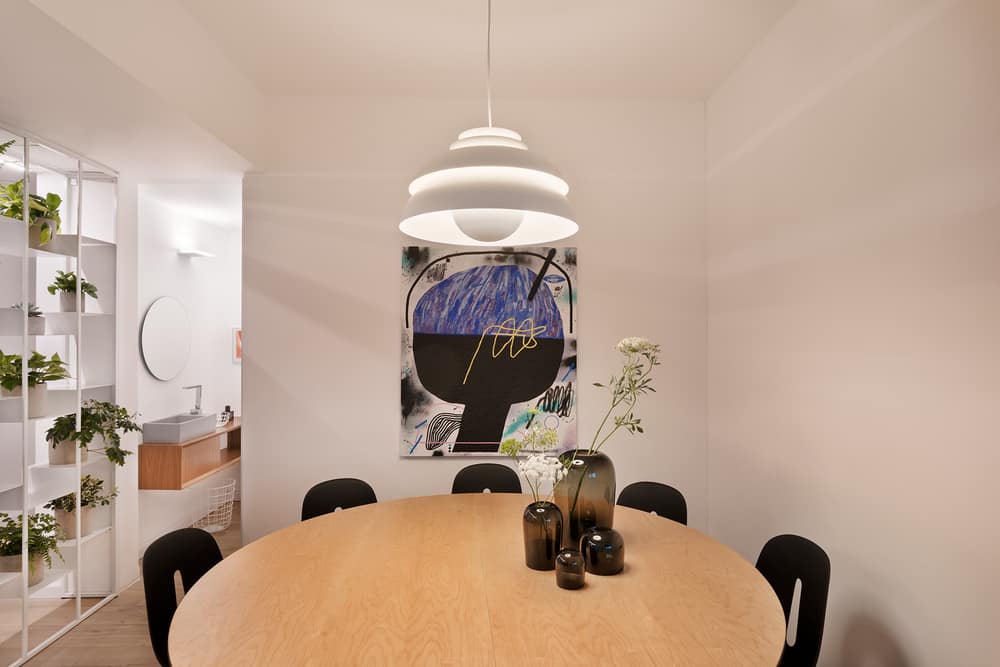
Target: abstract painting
<point>488,347</point>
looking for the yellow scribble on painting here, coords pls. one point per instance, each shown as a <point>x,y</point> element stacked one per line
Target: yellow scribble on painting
<point>508,332</point>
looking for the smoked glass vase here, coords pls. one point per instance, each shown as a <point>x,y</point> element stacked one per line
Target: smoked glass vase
<point>586,495</point>
<point>543,527</point>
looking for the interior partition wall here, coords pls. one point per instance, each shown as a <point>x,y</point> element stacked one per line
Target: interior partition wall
<point>40,601</point>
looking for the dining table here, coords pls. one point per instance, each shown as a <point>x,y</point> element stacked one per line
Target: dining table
<point>441,580</point>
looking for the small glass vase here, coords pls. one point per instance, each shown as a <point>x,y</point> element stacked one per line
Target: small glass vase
<point>603,551</point>
<point>586,495</point>
<point>569,569</point>
<point>543,527</point>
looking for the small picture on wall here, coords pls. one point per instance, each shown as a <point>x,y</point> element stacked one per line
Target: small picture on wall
<point>488,347</point>
<point>237,346</point>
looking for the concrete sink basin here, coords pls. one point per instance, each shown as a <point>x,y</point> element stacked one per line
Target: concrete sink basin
<point>177,429</point>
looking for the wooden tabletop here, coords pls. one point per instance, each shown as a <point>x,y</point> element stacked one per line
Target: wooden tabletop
<point>441,580</point>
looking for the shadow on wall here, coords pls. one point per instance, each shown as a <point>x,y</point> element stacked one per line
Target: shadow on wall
<point>868,643</point>
<point>301,294</point>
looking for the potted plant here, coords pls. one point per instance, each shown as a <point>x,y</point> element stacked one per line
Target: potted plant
<point>65,285</point>
<point>91,495</point>
<point>43,212</point>
<point>542,521</point>
<point>586,494</point>
<point>41,370</point>
<point>43,541</point>
<point>36,321</point>
<point>99,419</point>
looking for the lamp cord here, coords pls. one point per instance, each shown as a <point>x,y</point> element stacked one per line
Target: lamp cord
<point>489,62</point>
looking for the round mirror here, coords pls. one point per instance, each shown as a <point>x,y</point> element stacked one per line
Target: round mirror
<point>166,338</point>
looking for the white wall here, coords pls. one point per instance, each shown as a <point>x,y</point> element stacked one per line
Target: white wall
<point>854,317</point>
<point>210,290</point>
<point>321,291</point>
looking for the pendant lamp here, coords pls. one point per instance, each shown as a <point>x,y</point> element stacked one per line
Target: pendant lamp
<point>488,190</point>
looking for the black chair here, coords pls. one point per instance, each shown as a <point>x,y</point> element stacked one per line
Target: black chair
<point>344,493</point>
<point>192,552</point>
<point>481,476</point>
<point>784,560</point>
<point>665,500</point>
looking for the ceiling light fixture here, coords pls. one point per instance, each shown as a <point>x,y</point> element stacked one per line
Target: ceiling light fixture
<point>489,190</point>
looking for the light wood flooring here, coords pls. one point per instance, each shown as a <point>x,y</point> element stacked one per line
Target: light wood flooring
<point>117,634</point>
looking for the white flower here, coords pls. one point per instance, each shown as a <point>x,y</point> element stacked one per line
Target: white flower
<point>636,345</point>
<point>539,468</point>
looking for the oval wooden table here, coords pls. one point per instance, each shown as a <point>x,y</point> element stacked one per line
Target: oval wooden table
<point>441,580</point>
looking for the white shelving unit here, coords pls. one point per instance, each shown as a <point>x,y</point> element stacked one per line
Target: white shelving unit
<point>86,341</point>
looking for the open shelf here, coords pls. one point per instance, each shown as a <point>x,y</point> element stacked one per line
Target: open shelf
<point>52,576</point>
<point>62,245</point>
<point>87,342</point>
<point>61,401</point>
<point>227,458</point>
<point>52,324</point>
<point>46,482</point>
<point>10,582</point>
<point>92,535</point>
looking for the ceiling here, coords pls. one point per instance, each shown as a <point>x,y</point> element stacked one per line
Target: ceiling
<point>641,48</point>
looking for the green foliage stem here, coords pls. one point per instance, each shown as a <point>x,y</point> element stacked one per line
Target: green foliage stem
<point>91,495</point>
<point>43,536</point>
<point>66,283</point>
<point>98,418</point>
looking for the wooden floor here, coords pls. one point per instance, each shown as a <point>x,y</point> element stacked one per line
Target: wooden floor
<point>117,634</point>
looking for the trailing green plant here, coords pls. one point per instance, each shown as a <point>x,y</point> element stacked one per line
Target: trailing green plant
<point>7,144</point>
<point>91,495</point>
<point>33,310</point>
<point>66,283</point>
<point>97,418</point>
<point>43,536</point>
<point>41,369</point>
<point>41,210</point>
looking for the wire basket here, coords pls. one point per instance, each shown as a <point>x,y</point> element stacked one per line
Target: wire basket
<point>219,512</point>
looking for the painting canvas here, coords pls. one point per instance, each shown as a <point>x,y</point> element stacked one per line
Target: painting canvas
<point>488,347</point>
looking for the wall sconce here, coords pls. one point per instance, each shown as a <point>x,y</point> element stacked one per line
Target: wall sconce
<point>191,252</point>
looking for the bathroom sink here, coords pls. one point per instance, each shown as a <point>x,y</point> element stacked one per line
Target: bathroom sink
<point>178,428</point>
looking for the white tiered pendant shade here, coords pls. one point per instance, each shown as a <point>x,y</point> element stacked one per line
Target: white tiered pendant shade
<point>489,191</point>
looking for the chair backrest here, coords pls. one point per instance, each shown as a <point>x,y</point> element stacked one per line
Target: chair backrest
<point>190,551</point>
<point>344,493</point>
<point>481,476</point>
<point>784,560</point>
<point>665,500</point>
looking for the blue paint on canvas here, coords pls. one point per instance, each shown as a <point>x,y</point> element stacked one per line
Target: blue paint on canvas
<point>468,302</point>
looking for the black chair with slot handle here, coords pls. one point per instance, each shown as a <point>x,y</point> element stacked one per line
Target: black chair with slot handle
<point>783,561</point>
<point>663,499</point>
<point>344,493</point>
<point>481,476</point>
<point>190,551</point>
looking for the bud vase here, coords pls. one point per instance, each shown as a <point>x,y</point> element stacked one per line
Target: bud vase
<point>543,527</point>
<point>586,495</point>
